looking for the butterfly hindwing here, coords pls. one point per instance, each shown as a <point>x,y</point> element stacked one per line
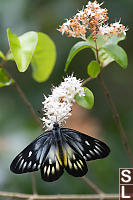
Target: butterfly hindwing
<point>74,164</point>
<point>31,158</point>
<point>87,147</point>
<point>52,167</point>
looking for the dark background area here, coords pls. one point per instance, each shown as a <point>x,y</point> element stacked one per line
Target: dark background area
<point>17,126</point>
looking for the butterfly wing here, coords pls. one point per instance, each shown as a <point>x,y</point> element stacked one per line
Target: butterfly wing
<point>31,158</point>
<point>74,163</point>
<point>85,146</point>
<point>52,167</point>
<point>42,154</point>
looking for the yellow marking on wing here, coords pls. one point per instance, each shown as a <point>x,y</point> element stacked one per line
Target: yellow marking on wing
<point>79,165</point>
<point>74,158</point>
<point>53,170</point>
<point>50,161</point>
<point>75,166</point>
<point>65,156</point>
<point>57,165</point>
<point>45,169</point>
<point>81,162</point>
<point>69,163</point>
<point>48,170</point>
<point>58,156</point>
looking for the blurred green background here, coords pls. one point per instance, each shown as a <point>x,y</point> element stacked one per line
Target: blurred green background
<point>17,126</point>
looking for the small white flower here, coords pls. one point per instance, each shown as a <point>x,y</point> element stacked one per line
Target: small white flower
<point>57,106</point>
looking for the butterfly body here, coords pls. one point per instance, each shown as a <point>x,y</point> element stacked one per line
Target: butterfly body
<point>59,149</point>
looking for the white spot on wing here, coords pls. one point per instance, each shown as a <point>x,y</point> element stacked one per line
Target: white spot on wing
<point>29,165</point>
<point>21,164</point>
<point>97,152</point>
<point>18,160</point>
<point>30,153</point>
<point>53,170</point>
<point>24,166</point>
<point>98,148</point>
<point>87,143</point>
<point>38,166</point>
<point>48,170</point>
<point>88,155</point>
<point>98,144</point>
<point>92,152</point>
<point>50,161</point>
<point>45,169</point>
<point>34,166</point>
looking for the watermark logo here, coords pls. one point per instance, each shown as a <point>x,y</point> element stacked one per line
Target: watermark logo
<point>126,183</point>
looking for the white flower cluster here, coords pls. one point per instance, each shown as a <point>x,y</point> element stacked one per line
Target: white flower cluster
<point>57,106</point>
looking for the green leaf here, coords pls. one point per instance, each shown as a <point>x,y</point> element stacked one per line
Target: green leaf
<point>10,56</point>
<point>44,58</point>
<point>86,101</point>
<point>103,40</point>
<point>93,69</point>
<point>117,53</point>
<point>74,50</point>
<point>104,58</point>
<point>2,55</point>
<point>114,39</point>
<point>4,80</point>
<point>22,48</point>
<point>100,41</point>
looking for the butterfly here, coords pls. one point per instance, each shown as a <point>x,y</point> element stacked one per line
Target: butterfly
<point>59,149</point>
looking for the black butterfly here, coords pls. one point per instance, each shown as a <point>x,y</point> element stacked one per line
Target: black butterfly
<point>59,149</point>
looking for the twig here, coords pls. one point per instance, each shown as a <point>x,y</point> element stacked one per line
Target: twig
<point>27,103</point>
<point>86,81</point>
<point>117,118</point>
<point>34,187</point>
<point>92,185</point>
<point>20,92</point>
<point>114,111</point>
<point>59,196</point>
<point>29,106</point>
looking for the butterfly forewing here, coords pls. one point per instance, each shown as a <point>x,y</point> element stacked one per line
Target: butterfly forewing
<point>31,158</point>
<point>87,147</point>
